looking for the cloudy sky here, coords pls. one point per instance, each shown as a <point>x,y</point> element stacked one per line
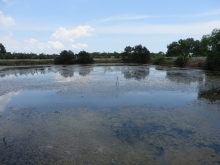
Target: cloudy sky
<point>47,26</point>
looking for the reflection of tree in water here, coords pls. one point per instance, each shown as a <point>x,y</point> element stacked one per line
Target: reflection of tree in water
<point>136,73</point>
<point>67,73</point>
<point>2,75</point>
<point>185,77</point>
<point>208,83</point>
<point>211,95</point>
<point>23,71</point>
<point>210,89</point>
<point>85,71</point>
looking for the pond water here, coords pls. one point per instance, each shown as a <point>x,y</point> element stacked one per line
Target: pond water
<point>102,114</point>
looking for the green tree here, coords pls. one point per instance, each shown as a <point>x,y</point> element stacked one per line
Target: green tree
<point>182,48</point>
<point>197,48</point>
<point>2,49</point>
<point>172,49</point>
<point>213,51</point>
<point>205,45</point>
<point>66,57</point>
<point>84,57</point>
<point>210,42</point>
<point>213,60</point>
<point>185,47</point>
<point>215,39</point>
<point>138,53</point>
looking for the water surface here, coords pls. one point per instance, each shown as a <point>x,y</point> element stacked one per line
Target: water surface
<point>100,114</point>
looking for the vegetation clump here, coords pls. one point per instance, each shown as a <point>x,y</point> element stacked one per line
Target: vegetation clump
<point>84,57</point>
<point>68,57</point>
<point>158,60</point>
<point>181,49</point>
<point>2,49</point>
<point>180,61</point>
<point>213,51</point>
<point>138,54</point>
<point>213,61</point>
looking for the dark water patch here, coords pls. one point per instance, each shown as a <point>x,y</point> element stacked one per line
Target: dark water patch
<point>131,132</point>
<point>182,132</point>
<point>160,156</point>
<point>215,147</point>
<point>160,151</point>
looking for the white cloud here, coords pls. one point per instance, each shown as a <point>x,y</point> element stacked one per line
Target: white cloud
<point>193,28</point>
<point>138,17</point>
<point>56,45</point>
<point>33,44</point>
<point>70,35</point>
<point>31,41</point>
<point>6,20</point>
<point>79,46</point>
<point>121,18</point>
<point>8,2</point>
<point>209,13</point>
<point>9,42</point>
<point>42,46</point>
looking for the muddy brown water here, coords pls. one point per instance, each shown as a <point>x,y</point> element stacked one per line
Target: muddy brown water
<point>102,114</point>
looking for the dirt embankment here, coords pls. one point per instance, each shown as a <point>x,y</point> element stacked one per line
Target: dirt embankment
<point>196,62</point>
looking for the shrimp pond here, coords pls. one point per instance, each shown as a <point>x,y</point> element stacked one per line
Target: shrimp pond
<point>113,115</point>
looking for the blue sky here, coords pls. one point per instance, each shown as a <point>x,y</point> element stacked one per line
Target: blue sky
<point>99,25</point>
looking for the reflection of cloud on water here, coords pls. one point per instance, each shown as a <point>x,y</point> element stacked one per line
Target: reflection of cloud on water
<point>77,78</point>
<point>5,99</point>
<point>59,78</point>
<point>73,73</point>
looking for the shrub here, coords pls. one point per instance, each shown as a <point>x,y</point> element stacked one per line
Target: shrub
<point>213,61</point>
<point>84,57</point>
<point>66,57</point>
<point>138,53</point>
<point>169,58</point>
<point>181,61</point>
<point>158,60</point>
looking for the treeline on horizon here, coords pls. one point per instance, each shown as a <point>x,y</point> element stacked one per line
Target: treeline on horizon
<point>208,46</point>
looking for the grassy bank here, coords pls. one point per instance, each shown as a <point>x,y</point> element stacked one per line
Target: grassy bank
<point>26,62</point>
<point>108,61</point>
<point>195,62</point>
<point>17,62</point>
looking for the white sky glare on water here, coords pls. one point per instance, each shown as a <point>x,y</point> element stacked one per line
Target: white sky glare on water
<point>97,25</point>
